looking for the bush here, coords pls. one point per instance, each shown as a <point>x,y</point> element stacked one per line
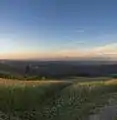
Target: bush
<point>113,75</point>
<point>6,75</point>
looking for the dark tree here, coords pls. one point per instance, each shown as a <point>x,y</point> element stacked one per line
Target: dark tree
<point>27,69</point>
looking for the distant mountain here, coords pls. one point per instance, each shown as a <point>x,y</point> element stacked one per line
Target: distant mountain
<point>61,68</point>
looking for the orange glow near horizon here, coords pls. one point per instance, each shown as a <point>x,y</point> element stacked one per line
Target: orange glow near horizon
<point>102,51</point>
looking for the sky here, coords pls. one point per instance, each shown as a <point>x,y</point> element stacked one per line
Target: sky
<point>58,29</point>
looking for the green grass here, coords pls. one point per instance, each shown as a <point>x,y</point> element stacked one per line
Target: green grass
<point>56,101</point>
<point>77,101</point>
<point>19,98</point>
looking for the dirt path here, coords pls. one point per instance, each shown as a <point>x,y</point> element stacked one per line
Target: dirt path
<point>106,113</point>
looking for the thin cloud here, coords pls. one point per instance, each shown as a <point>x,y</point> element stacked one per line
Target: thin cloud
<point>72,43</point>
<point>80,31</point>
<point>109,48</point>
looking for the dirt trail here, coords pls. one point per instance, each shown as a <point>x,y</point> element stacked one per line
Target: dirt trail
<point>106,113</point>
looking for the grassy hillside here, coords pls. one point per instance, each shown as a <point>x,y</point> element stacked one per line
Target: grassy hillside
<point>79,100</point>
<point>54,100</point>
<point>18,97</point>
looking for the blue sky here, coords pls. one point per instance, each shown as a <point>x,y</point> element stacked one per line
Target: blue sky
<point>50,26</point>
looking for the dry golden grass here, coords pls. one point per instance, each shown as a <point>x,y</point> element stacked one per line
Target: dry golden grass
<point>112,81</point>
<point>9,82</point>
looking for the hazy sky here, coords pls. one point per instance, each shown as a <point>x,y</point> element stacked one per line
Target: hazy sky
<point>57,28</point>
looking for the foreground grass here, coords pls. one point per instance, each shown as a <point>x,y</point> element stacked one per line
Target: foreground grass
<point>25,96</point>
<point>54,100</point>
